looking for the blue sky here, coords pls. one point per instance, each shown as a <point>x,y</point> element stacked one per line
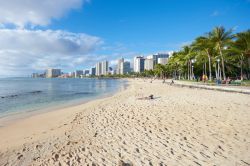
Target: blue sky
<point>75,34</point>
<point>146,26</point>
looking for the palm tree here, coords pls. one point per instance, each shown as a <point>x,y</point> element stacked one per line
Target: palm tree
<point>174,64</point>
<point>221,39</point>
<point>188,56</point>
<point>203,44</point>
<point>241,47</point>
<point>160,70</point>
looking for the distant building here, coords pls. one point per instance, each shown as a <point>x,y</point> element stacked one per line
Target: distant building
<point>71,74</point>
<point>78,73</point>
<point>65,75</point>
<point>98,67</point>
<point>123,67</point>
<point>102,68</point>
<point>105,68</point>
<point>155,57</point>
<point>139,64</point>
<point>119,66</point>
<point>93,71</point>
<point>149,64</point>
<point>51,73</point>
<point>162,61</point>
<point>35,75</point>
<point>86,72</point>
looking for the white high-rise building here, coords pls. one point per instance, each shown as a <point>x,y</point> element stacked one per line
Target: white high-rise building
<point>162,61</point>
<point>139,64</point>
<point>98,68</point>
<point>123,67</point>
<point>149,64</point>
<point>101,68</point>
<point>120,66</point>
<point>105,68</point>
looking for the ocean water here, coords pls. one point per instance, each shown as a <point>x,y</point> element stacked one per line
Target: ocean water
<point>20,95</point>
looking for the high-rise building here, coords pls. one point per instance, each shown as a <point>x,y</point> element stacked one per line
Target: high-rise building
<point>71,74</point>
<point>149,64</point>
<point>125,68</point>
<point>156,56</point>
<point>98,67</point>
<point>35,75</point>
<point>102,68</point>
<point>139,64</point>
<point>93,69</point>
<point>51,73</point>
<point>78,73</point>
<point>86,72</point>
<point>162,61</point>
<point>105,68</point>
<point>120,66</point>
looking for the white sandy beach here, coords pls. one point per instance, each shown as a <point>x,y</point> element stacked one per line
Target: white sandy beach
<point>181,126</point>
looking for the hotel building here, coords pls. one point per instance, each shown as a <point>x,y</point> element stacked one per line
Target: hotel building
<point>123,67</point>
<point>52,73</point>
<point>149,64</point>
<point>155,57</point>
<point>102,68</point>
<point>93,70</point>
<point>139,64</point>
<point>162,61</point>
<point>98,67</point>
<point>105,68</point>
<point>78,73</point>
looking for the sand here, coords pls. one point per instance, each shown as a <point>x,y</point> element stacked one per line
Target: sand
<point>181,126</point>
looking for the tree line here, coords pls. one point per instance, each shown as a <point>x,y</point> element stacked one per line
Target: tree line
<point>218,55</point>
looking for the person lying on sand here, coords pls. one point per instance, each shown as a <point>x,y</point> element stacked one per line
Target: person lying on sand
<point>172,82</point>
<point>150,97</point>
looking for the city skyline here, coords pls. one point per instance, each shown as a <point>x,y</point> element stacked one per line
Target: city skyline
<point>122,66</point>
<point>78,33</point>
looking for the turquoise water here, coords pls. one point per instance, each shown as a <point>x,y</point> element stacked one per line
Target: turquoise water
<point>19,95</point>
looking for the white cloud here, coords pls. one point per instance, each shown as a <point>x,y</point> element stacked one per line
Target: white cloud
<point>24,51</point>
<point>35,12</point>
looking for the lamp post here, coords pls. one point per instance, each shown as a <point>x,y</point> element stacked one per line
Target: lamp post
<point>219,71</point>
<point>192,61</point>
<point>192,72</point>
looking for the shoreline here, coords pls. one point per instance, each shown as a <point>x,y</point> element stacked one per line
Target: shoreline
<point>22,115</point>
<point>180,125</point>
<point>48,116</point>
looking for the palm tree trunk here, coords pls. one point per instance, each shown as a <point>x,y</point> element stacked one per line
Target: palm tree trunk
<point>223,65</point>
<point>209,66</point>
<point>241,67</point>
<point>216,73</point>
<point>205,68</point>
<point>188,69</point>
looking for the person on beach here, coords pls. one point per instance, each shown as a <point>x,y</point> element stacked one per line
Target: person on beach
<point>150,97</point>
<point>204,78</point>
<point>172,82</point>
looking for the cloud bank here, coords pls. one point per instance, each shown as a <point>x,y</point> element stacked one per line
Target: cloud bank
<point>24,51</point>
<point>35,12</point>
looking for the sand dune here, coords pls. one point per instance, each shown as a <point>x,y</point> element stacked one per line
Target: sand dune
<point>181,126</point>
